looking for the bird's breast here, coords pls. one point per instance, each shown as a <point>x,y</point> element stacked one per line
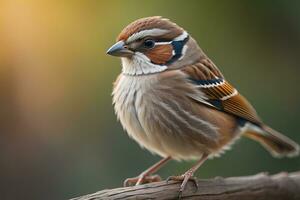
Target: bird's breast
<point>130,98</point>
<point>157,112</point>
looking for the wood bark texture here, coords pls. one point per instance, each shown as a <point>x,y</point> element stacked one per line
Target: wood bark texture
<point>283,186</point>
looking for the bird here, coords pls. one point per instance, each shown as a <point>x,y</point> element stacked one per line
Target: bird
<point>175,102</point>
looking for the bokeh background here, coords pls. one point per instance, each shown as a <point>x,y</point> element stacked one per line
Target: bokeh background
<point>59,137</point>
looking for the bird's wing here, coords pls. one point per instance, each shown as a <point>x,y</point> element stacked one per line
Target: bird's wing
<point>218,92</point>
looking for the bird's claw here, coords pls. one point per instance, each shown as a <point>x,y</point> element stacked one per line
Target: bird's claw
<point>142,179</point>
<point>187,176</point>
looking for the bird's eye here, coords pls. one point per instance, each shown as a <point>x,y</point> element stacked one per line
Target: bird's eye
<point>149,44</point>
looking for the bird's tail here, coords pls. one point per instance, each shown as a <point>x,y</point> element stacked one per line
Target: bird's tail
<point>276,143</point>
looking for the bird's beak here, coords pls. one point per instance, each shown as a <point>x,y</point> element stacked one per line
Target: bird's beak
<point>119,49</point>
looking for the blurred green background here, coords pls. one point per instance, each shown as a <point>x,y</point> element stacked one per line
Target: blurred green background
<point>59,137</point>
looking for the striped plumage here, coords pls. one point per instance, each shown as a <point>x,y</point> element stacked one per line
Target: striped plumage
<point>221,94</point>
<point>174,101</point>
<point>167,121</point>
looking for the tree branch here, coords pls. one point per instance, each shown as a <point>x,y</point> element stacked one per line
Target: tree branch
<point>259,187</point>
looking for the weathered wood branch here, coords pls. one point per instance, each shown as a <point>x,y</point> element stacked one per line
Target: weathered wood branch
<point>281,186</point>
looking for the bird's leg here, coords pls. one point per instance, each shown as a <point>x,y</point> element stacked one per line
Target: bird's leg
<point>188,175</point>
<point>145,177</point>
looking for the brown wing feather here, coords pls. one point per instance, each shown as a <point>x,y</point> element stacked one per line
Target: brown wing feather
<point>219,92</point>
<point>239,106</point>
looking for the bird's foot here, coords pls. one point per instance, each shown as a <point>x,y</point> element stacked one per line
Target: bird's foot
<point>141,179</point>
<point>184,179</point>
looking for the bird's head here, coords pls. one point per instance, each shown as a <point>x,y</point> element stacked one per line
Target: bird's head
<point>154,44</point>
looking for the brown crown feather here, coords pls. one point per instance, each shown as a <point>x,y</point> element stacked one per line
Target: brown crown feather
<point>150,23</point>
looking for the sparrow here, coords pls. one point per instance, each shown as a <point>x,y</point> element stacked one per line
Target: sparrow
<point>175,102</point>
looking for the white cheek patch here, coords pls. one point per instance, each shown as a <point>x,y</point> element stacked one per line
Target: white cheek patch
<point>139,64</point>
